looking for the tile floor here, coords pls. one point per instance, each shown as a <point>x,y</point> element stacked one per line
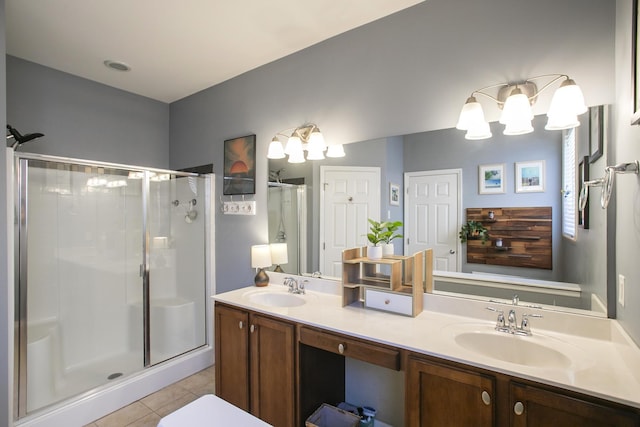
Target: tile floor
<point>148,411</point>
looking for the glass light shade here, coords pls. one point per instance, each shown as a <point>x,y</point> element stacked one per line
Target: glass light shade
<point>296,156</point>
<point>260,256</point>
<point>316,141</point>
<point>516,109</point>
<point>335,150</point>
<point>276,151</point>
<point>315,154</point>
<point>567,99</point>
<point>562,121</point>
<point>279,253</point>
<point>470,115</point>
<point>479,131</point>
<point>294,145</point>
<point>518,127</point>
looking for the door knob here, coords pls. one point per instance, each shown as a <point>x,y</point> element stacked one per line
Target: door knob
<point>451,251</point>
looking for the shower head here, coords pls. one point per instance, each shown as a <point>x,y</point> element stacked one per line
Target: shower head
<point>18,138</point>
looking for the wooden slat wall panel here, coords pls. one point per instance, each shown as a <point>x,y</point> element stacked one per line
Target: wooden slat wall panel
<point>526,237</point>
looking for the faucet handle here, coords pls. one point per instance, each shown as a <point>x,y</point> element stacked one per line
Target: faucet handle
<point>525,321</point>
<point>500,324</point>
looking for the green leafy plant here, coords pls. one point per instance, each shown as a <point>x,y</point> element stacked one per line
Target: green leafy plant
<point>376,232</point>
<point>390,231</point>
<point>473,230</point>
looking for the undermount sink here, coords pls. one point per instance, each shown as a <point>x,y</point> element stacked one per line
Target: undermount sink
<point>520,350</point>
<point>538,351</point>
<point>276,299</point>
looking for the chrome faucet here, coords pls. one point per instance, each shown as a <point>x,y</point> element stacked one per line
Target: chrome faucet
<point>293,285</point>
<point>510,326</point>
<point>511,319</point>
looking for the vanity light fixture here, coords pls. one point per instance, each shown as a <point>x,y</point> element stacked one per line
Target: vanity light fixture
<point>261,259</point>
<point>304,138</point>
<point>516,99</point>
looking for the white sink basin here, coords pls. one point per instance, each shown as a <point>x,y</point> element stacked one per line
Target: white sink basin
<point>276,299</point>
<point>513,349</point>
<point>536,351</point>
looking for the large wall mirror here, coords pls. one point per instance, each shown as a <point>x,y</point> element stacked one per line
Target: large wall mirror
<point>296,190</point>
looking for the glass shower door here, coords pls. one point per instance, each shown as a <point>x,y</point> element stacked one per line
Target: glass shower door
<point>80,250</point>
<point>176,230</point>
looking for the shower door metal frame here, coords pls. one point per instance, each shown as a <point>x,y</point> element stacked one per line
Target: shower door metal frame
<point>21,166</point>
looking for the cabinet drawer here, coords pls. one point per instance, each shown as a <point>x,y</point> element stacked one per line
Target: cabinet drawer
<point>388,301</point>
<point>377,354</point>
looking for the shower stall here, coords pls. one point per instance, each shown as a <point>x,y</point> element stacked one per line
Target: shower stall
<point>111,274</point>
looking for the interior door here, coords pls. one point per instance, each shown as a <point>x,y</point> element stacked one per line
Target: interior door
<point>350,195</point>
<point>433,205</point>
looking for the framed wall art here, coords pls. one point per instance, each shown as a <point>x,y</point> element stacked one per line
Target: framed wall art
<point>491,179</point>
<point>394,194</point>
<point>530,176</point>
<point>239,166</point>
<point>583,176</point>
<point>596,132</point>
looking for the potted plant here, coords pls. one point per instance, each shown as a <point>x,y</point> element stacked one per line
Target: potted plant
<point>473,230</point>
<point>375,237</point>
<point>391,227</point>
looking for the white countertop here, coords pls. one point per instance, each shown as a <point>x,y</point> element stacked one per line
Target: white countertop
<point>604,360</point>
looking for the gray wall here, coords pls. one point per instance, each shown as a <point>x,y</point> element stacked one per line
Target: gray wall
<point>84,119</point>
<point>406,73</point>
<point>626,148</point>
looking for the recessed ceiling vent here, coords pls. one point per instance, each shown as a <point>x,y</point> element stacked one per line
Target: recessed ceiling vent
<point>116,65</point>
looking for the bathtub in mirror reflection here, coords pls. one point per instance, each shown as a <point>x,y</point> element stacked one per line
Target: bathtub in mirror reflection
<point>578,262</point>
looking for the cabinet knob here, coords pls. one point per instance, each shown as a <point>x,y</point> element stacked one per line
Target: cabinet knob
<point>341,348</point>
<point>451,251</point>
<point>387,301</point>
<point>240,324</point>
<point>518,408</point>
<point>486,398</point>
<point>252,328</point>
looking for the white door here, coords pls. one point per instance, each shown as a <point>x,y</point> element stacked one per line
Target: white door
<point>350,195</point>
<point>432,212</point>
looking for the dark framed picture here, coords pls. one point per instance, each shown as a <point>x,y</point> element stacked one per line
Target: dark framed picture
<point>596,132</point>
<point>239,166</point>
<point>583,176</point>
<point>635,66</point>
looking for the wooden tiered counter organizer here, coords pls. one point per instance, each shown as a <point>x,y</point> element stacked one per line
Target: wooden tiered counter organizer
<point>394,283</point>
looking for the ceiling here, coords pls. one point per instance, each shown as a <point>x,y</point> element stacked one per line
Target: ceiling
<point>176,48</point>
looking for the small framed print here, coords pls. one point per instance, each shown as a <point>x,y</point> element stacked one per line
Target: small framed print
<point>394,194</point>
<point>583,176</point>
<point>491,179</point>
<point>596,132</point>
<point>530,177</point>
<point>239,166</point>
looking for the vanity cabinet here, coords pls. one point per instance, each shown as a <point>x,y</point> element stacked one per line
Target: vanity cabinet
<point>447,393</point>
<point>255,364</point>
<point>441,395</point>
<point>533,406</point>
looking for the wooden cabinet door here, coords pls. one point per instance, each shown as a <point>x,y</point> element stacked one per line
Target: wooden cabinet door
<point>532,406</point>
<point>441,395</point>
<point>232,356</point>
<point>272,370</point>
